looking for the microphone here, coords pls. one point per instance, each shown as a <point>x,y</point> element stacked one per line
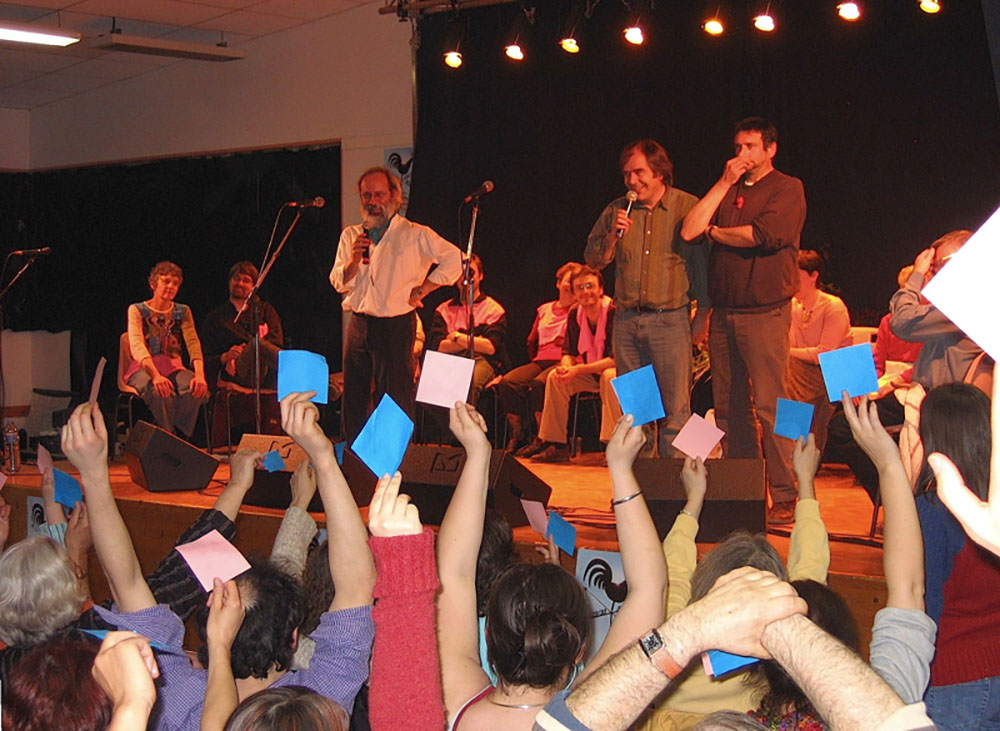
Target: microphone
<point>486,187</point>
<point>317,202</point>
<point>366,255</point>
<point>44,251</point>
<point>632,196</point>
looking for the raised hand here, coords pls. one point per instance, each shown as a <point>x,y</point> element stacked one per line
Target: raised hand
<point>868,431</point>
<point>85,440</point>
<point>300,420</point>
<point>625,443</point>
<point>805,463</point>
<point>303,484</point>
<point>469,427</point>
<point>78,537</point>
<point>391,513</point>
<point>694,478</point>
<point>225,614</point>
<point>241,468</point>
<point>125,668</point>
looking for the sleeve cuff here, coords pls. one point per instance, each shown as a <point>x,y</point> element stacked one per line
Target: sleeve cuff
<point>405,564</point>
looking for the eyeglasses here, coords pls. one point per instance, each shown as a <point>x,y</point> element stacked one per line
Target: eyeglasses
<point>585,286</point>
<point>937,264</point>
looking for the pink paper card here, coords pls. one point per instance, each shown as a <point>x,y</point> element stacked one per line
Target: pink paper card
<point>3,480</point>
<point>95,387</point>
<point>213,556</point>
<point>538,519</point>
<point>444,379</point>
<point>44,459</point>
<point>697,438</point>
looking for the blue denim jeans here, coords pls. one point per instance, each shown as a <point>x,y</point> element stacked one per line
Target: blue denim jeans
<point>972,705</point>
<point>662,339</point>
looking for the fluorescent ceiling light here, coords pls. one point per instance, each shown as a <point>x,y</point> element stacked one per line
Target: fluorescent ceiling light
<point>37,35</point>
<point>160,47</point>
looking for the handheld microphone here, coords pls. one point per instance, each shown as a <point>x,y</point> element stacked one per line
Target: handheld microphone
<point>486,187</point>
<point>44,251</point>
<point>366,254</point>
<point>632,196</point>
<point>317,202</point>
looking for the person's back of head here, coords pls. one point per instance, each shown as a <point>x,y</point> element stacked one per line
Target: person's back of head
<point>289,708</point>
<point>537,626</point>
<point>496,554</point>
<point>737,550</point>
<point>728,721</point>
<point>39,593</point>
<point>955,421</point>
<point>51,687</point>
<point>829,611</point>
<point>275,607</point>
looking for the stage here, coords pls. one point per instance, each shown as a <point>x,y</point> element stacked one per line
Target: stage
<point>579,491</point>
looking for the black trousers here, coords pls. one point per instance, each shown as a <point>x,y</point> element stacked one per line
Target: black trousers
<point>841,444</point>
<point>379,348</point>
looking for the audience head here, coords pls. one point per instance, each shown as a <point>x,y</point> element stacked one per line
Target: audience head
<point>242,276</point>
<point>290,707</point>
<point>564,282</point>
<point>51,687</point>
<point>275,607</point>
<point>946,247</point>
<point>537,626</point>
<point>904,275</point>
<point>955,421</point>
<point>588,286</point>
<point>476,271</point>
<point>317,585</point>
<point>168,270</point>
<point>739,549</point>
<point>728,721</point>
<point>496,554</point>
<point>39,593</point>
<point>810,271</point>
<point>829,611</point>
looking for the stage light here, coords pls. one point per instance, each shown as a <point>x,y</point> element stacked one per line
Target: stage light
<point>453,59</point>
<point>513,48</point>
<point>633,34</point>
<point>764,23</point>
<point>570,45</point>
<point>454,33</point>
<point>38,35</point>
<point>849,11</point>
<point>930,6</point>
<point>569,39</point>
<point>714,27</point>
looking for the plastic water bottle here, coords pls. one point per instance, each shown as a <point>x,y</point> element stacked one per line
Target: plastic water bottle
<point>11,448</point>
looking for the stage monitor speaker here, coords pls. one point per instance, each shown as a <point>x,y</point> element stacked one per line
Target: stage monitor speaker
<point>430,474</point>
<point>736,497</point>
<point>273,489</point>
<point>161,462</point>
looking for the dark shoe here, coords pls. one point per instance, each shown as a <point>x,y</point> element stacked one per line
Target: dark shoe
<point>533,447</point>
<point>781,513</point>
<point>553,453</point>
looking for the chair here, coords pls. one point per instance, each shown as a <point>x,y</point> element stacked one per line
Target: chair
<point>224,392</point>
<point>594,399</point>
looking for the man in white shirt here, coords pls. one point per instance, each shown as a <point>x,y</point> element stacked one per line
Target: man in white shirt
<point>384,268</point>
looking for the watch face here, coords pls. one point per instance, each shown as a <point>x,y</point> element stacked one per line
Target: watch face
<point>651,643</point>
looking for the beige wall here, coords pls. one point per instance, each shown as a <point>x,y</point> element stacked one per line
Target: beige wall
<point>345,78</point>
<point>14,136</point>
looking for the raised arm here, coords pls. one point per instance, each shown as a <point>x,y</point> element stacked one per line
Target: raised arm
<point>700,216</point>
<point>679,547</point>
<point>642,557</point>
<point>125,668</point>
<point>225,616</point>
<point>405,635</point>
<point>291,545</point>
<point>809,547</point>
<point>351,565</point>
<point>85,442</point>
<point>458,548</point>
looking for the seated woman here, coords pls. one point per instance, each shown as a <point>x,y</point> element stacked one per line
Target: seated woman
<point>156,328</point>
<point>819,323</point>
<point>522,389</point>
<point>449,331</point>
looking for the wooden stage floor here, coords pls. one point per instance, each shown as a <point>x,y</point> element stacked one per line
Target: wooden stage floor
<point>156,519</point>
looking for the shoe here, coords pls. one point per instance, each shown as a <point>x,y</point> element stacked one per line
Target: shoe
<point>532,448</point>
<point>553,453</point>
<point>781,513</point>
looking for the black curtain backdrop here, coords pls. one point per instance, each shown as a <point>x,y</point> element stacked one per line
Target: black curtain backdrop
<point>108,225</point>
<point>892,123</point>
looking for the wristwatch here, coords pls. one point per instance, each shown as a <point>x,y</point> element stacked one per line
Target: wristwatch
<point>652,646</point>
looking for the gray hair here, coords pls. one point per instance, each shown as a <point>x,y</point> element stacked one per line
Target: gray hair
<point>39,593</point>
<point>738,550</point>
<point>728,721</point>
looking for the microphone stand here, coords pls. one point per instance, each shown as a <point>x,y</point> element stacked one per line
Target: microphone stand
<point>467,274</point>
<point>257,306</point>
<point>3,295</point>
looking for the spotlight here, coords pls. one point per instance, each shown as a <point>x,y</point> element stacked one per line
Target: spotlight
<point>453,59</point>
<point>569,39</point>
<point>849,11</point>
<point>513,51</point>
<point>713,26</point>
<point>633,34</point>
<point>764,22</point>
<point>513,48</point>
<point>930,6</point>
<point>453,43</point>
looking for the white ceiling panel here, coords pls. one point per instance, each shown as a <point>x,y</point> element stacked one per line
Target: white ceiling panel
<point>169,12</point>
<point>11,78</point>
<point>250,23</point>
<point>305,9</point>
<point>13,57</point>
<point>20,97</point>
<point>67,82</point>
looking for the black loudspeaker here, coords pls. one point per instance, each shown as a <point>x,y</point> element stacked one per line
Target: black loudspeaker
<point>273,489</point>
<point>430,474</point>
<point>161,462</point>
<point>736,497</point>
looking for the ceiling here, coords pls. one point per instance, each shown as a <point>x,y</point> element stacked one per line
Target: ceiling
<point>32,76</point>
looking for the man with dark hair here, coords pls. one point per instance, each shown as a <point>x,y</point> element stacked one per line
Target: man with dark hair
<point>752,218</point>
<point>228,345</point>
<point>657,275</point>
<point>385,266</point>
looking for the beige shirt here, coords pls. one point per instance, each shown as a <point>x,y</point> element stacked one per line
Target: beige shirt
<point>399,262</point>
<point>824,326</point>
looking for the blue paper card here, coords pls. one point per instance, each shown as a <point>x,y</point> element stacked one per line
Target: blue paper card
<point>338,450</point>
<point>68,491</point>
<point>273,461</point>
<point>850,369</point>
<point>300,370</point>
<point>793,419</point>
<point>639,394</point>
<point>562,532</point>
<point>384,438</point>
<point>725,662</point>
<point>102,633</point>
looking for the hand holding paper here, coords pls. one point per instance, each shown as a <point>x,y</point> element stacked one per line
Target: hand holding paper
<point>697,438</point>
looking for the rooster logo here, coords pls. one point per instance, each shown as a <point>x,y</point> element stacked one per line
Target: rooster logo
<point>598,574</point>
<point>396,163</point>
